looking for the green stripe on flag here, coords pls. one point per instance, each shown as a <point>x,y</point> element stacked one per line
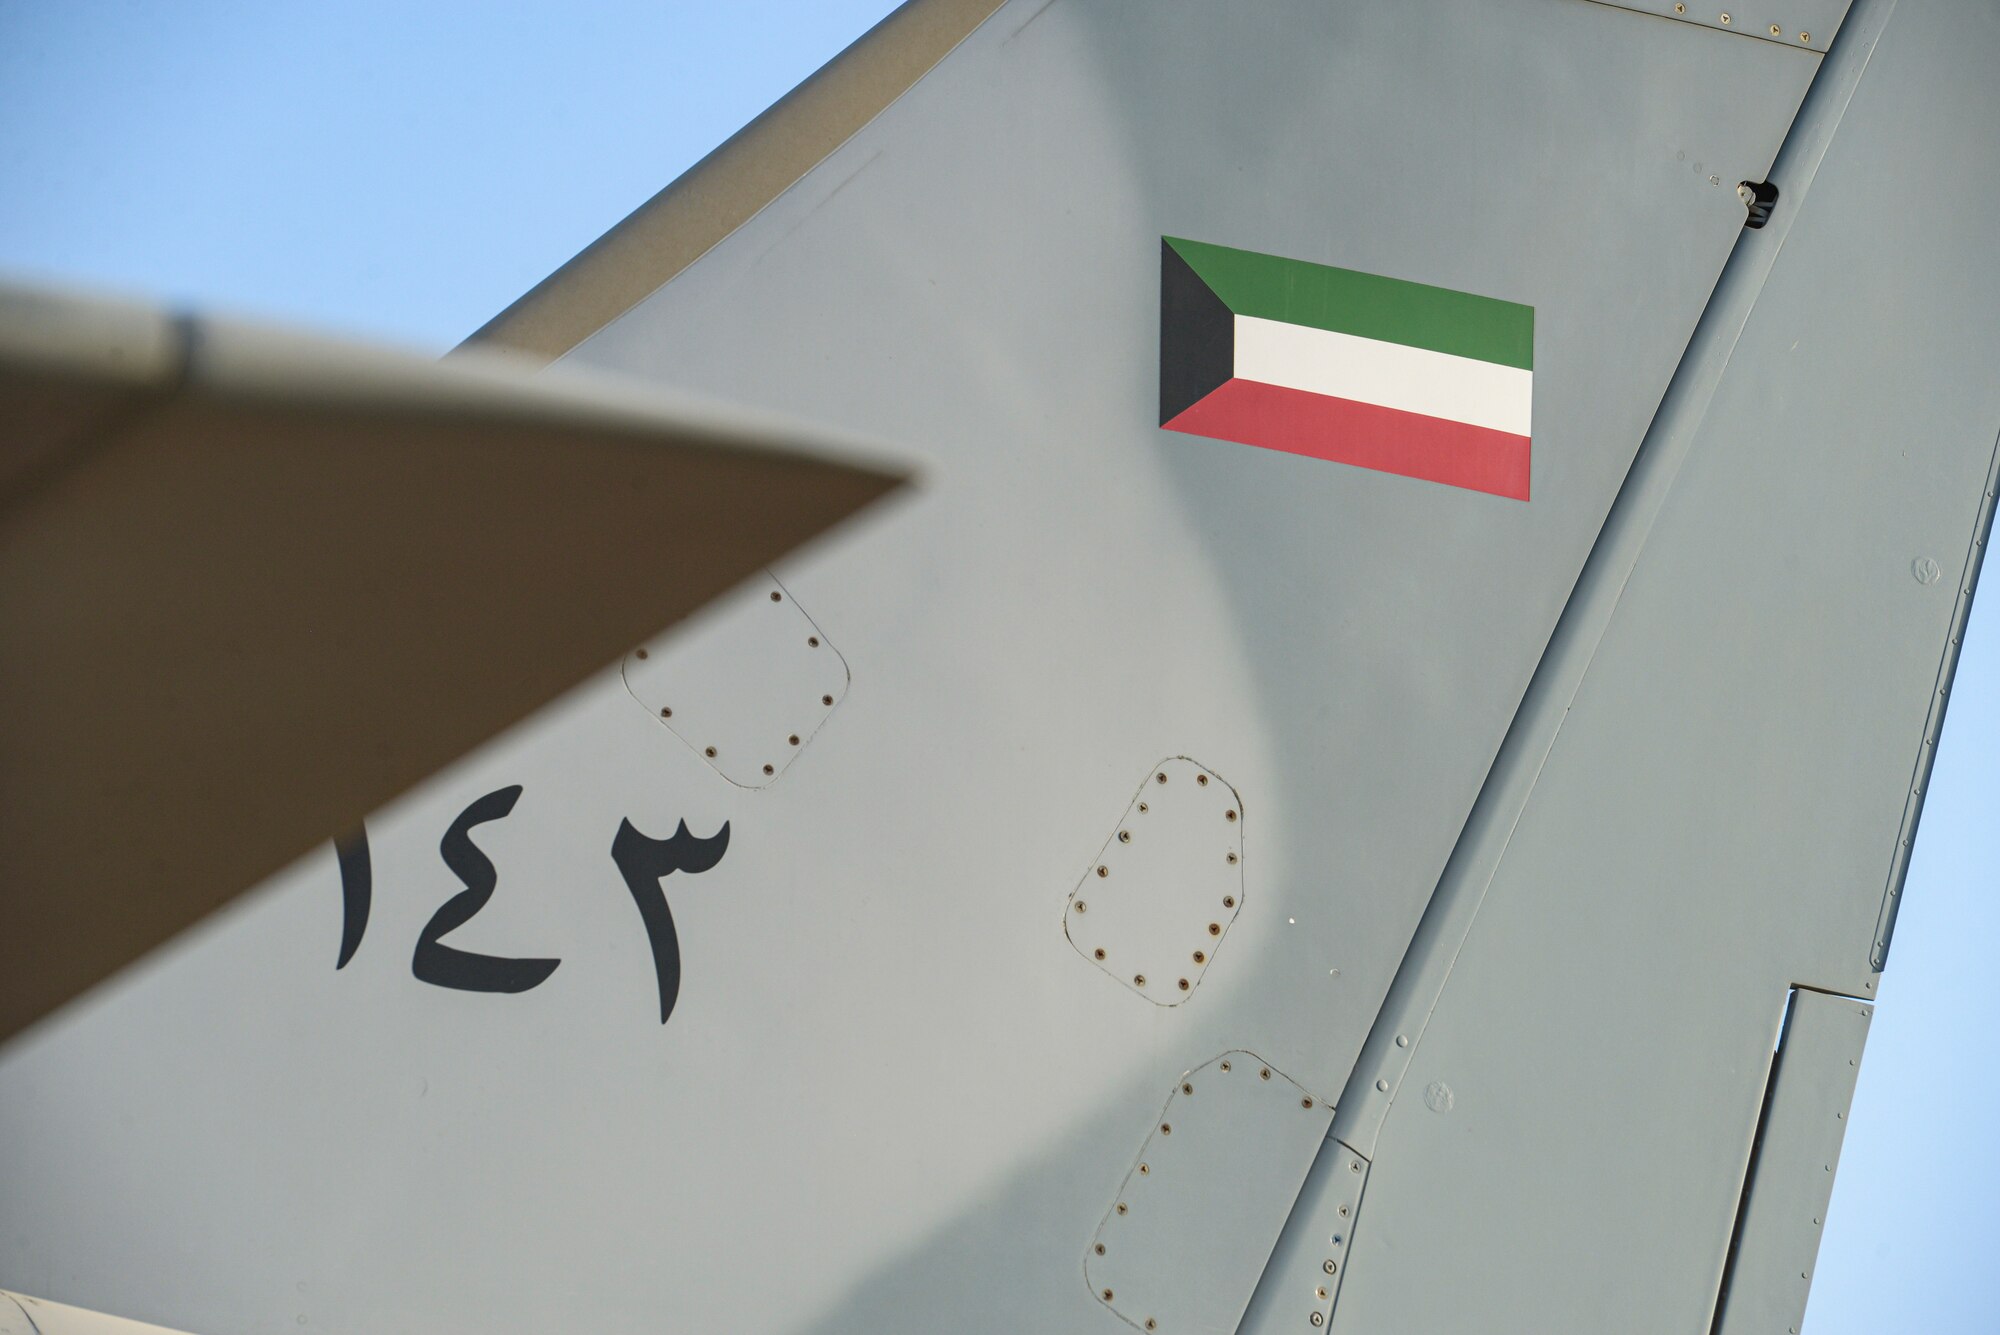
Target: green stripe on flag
<point>1320,296</point>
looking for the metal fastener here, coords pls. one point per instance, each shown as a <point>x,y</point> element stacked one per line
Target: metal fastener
<point>1725,20</point>
<point>1121,1207</point>
<point>776,596</point>
<point>1139,979</point>
<point>1186,1088</point>
<point>1081,907</point>
<point>666,711</point>
<point>1124,836</point>
<point>793,739</point>
<point>638,653</point>
<point>769,770</point>
<point>1229,901</point>
<point>709,752</point>
<point>1166,1128</point>
<point>1161,777</point>
<point>826,699</point>
<point>1184,984</point>
<point>1229,815</point>
<point>1201,957</point>
<point>1329,1267</point>
<point>1143,1169</point>
<point>1099,1249</point>
<point>1215,929</point>
<point>1305,1103</point>
<point>1225,1066</point>
<point>1232,858</point>
<point>1201,779</point>
<point>1099,952</point>
<point>1775,30</point>
<point>1264,1074</point>
<point>1318,1320</point>
<point>1103,870</point>
<point>812,641</point>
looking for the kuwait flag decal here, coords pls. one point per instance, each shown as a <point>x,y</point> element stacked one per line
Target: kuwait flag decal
<point>1347,366</point>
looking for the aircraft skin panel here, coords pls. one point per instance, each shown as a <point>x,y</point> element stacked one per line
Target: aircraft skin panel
<point>1726,796</point>
<point>1791,1171</point>
<point>884,1049</point>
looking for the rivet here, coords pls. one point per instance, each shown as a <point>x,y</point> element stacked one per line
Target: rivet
<point>1229,815</point>
<point>1232,858</point>
<point>769,770</point>
<point>1099,952</point>
<point>776,596</point>
<point>826,699</point>
<point>1725,20</point>
<point>1201,779</point>
<point>1124,836</point>
<point>793,739</point>
<point>1229,901</point>
<point>1099,1249</point>
<point>1200,957</point>
<point>1305,1103</point>
<point>666,711</point>
<point>1161,777</point>
<point>1215,929</point>
<point>1139,979</point>
<point>1184,984</point>
<point>1103,870</point>
<point>1082,907</point>
<point>1402,1040</point>
<point>1264,1074</point>
<point>812,641</point>
<point>1121,1207</point>
<point>1382,1085</point>
<point>1166,1128</point>
<point>1186,1088</point>
<point>638,653</point>
<point>709,752</point>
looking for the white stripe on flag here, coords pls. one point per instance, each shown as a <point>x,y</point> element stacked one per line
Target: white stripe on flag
<point>1392,375</point>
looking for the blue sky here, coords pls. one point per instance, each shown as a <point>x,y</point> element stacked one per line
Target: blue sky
<point>405,171</point>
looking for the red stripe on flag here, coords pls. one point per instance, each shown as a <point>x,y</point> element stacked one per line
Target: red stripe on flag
<point>1363,434</point>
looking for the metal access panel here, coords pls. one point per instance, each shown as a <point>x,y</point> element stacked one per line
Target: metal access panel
<point>883,1042</point>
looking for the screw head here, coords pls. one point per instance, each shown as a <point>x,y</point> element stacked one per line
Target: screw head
<point>1166,1128</point>
<point>1124,836</point>
<point>793,739</point>
<point>1099,1249</point>
<point>666,711</point>
<point>812,641</point>
<point>826,699</point>
<point>1215,929</point>
<point>1229,901</point>
<point>1201,957</point>
<point>1201,779</point>
<point>1186,1088</point>
<point>1329,1267</point>
<point>1161,777</point>
<point>769,770</point>
<point>1184,984</point>
<point>777,597</point>
<point>1082,907</point>
<point>1138,980</point>
<point>709,751</point>
<point>1099,952</point>
<point>1103,870</point>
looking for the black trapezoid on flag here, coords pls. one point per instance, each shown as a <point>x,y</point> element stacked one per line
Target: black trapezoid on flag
<point>1197,336</point>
